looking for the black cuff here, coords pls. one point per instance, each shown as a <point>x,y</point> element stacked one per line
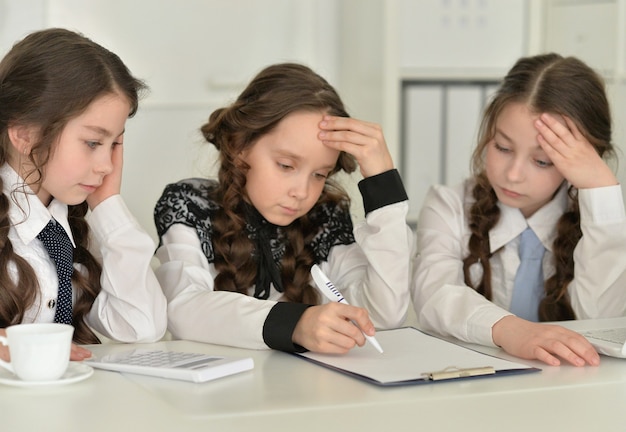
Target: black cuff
<point>382,190</point>
<point>280,324</point>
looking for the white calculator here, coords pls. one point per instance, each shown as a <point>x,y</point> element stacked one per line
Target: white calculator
<point>179,365</point>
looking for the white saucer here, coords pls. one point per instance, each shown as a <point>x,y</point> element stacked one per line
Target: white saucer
<point>75,372</point>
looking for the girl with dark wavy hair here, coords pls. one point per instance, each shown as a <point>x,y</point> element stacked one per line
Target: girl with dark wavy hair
<point>64,101</point>
<point>236,252</point>
<point>539,172</point>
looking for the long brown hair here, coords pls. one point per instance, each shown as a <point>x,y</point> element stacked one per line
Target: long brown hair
<point>558,85</point>
<point>274,93</point>
<point>46,79</point>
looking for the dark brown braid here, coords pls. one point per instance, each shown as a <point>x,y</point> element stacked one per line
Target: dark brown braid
<point>15,295</point>
<point>274,93</point>
<point>556,305</point>
<point>299,256</point>
<point>545,83</point>
<point>483,216</point>
<point>90,283</point>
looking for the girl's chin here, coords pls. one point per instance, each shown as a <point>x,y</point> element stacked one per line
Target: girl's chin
<point>509,200</point>
<point>281,221</point>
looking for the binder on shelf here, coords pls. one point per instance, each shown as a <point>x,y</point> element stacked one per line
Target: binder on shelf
<point>414,357</point>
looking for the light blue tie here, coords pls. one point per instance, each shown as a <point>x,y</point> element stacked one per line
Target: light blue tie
<point>528,289</point>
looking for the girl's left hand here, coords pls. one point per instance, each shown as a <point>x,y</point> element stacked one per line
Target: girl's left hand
<point>546,342</point>
<point>112,182</point>
<point>364,141</point>
<point>571,153</point>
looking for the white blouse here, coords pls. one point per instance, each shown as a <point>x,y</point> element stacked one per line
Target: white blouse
<point>443,302</point>
<point>131,306</point>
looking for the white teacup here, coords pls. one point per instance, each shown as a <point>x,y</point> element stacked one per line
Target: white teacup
<point>39,351</point>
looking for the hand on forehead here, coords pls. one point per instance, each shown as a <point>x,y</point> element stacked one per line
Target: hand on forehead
<point>558,117</point>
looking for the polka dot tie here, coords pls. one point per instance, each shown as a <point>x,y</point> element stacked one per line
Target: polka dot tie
<point>60,249</point>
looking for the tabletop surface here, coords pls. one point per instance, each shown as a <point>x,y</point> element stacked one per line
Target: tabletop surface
<point>284,392</point>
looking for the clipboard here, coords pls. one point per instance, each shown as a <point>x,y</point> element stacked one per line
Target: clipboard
<point>413,357</point>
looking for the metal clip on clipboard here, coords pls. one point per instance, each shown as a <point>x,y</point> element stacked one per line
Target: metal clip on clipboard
<point>455,372</point>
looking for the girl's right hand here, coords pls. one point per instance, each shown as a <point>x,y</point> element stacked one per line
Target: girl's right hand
<point>545,342</point>
<point>328,328</point>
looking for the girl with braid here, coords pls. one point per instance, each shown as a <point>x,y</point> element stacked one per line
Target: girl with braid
<point>539,171</point>
<point>64,101</point>
<point>236,252</point>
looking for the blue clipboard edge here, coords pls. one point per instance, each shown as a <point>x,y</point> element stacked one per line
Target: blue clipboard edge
<point>420,381</point>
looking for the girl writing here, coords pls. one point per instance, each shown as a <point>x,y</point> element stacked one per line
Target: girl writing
<point>236,253</point>
<point>538,172</point>
<point>64,101</point>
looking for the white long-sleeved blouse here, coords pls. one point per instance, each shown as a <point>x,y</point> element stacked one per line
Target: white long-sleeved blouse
<point>445,305</point>
<point>131,306</point>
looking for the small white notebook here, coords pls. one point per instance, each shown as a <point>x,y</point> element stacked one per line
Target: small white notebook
<point>608,335</point>
<point>610,341</point>
<point>178,365</point>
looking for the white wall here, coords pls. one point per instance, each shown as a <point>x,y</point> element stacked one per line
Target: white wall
<point>197,55</point>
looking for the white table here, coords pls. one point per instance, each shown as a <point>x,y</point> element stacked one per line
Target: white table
<point>285,392</point>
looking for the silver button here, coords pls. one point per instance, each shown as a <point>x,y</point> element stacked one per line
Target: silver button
<point>52,303</point>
